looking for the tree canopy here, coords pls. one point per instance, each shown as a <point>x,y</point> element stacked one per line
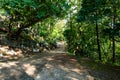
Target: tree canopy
<point>22,14</point>
<point>90,28</point>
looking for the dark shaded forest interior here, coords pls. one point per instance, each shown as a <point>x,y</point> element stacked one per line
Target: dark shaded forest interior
<point>59,40</point>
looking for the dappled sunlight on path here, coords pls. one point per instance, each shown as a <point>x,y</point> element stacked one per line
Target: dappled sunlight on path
<point>53,65</point>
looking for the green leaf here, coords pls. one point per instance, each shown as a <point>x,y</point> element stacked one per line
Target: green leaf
<point>40,14</point>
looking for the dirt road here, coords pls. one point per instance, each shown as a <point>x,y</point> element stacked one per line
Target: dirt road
<point>52,65</point>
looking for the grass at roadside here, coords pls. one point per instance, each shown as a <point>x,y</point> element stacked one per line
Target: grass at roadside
<point>99,70</point>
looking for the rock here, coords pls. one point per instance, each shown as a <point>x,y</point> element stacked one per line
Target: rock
<point>11,52</point>
<point>1,55</point>
<point>36,50</point>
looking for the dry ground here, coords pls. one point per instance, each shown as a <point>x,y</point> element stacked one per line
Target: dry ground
<point>52,65</point>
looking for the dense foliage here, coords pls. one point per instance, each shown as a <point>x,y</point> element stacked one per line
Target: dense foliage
<point>92,26</point>
<point>97,33</point>
<point>21,14</point>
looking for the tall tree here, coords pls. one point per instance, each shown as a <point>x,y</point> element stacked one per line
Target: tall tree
<point>114,7</point>
<point>114,29</point>
<point>92,11</point>
<point>71,30</point>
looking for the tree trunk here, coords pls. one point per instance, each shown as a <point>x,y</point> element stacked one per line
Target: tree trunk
<point>113,49</point>
<point>98,41</point>
<point>9,32</point>
<point>113,38</point>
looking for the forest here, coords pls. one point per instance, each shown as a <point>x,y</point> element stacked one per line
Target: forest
<point>89,28</point>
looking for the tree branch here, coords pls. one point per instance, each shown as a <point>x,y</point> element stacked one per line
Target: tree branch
<point>30,23</point>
